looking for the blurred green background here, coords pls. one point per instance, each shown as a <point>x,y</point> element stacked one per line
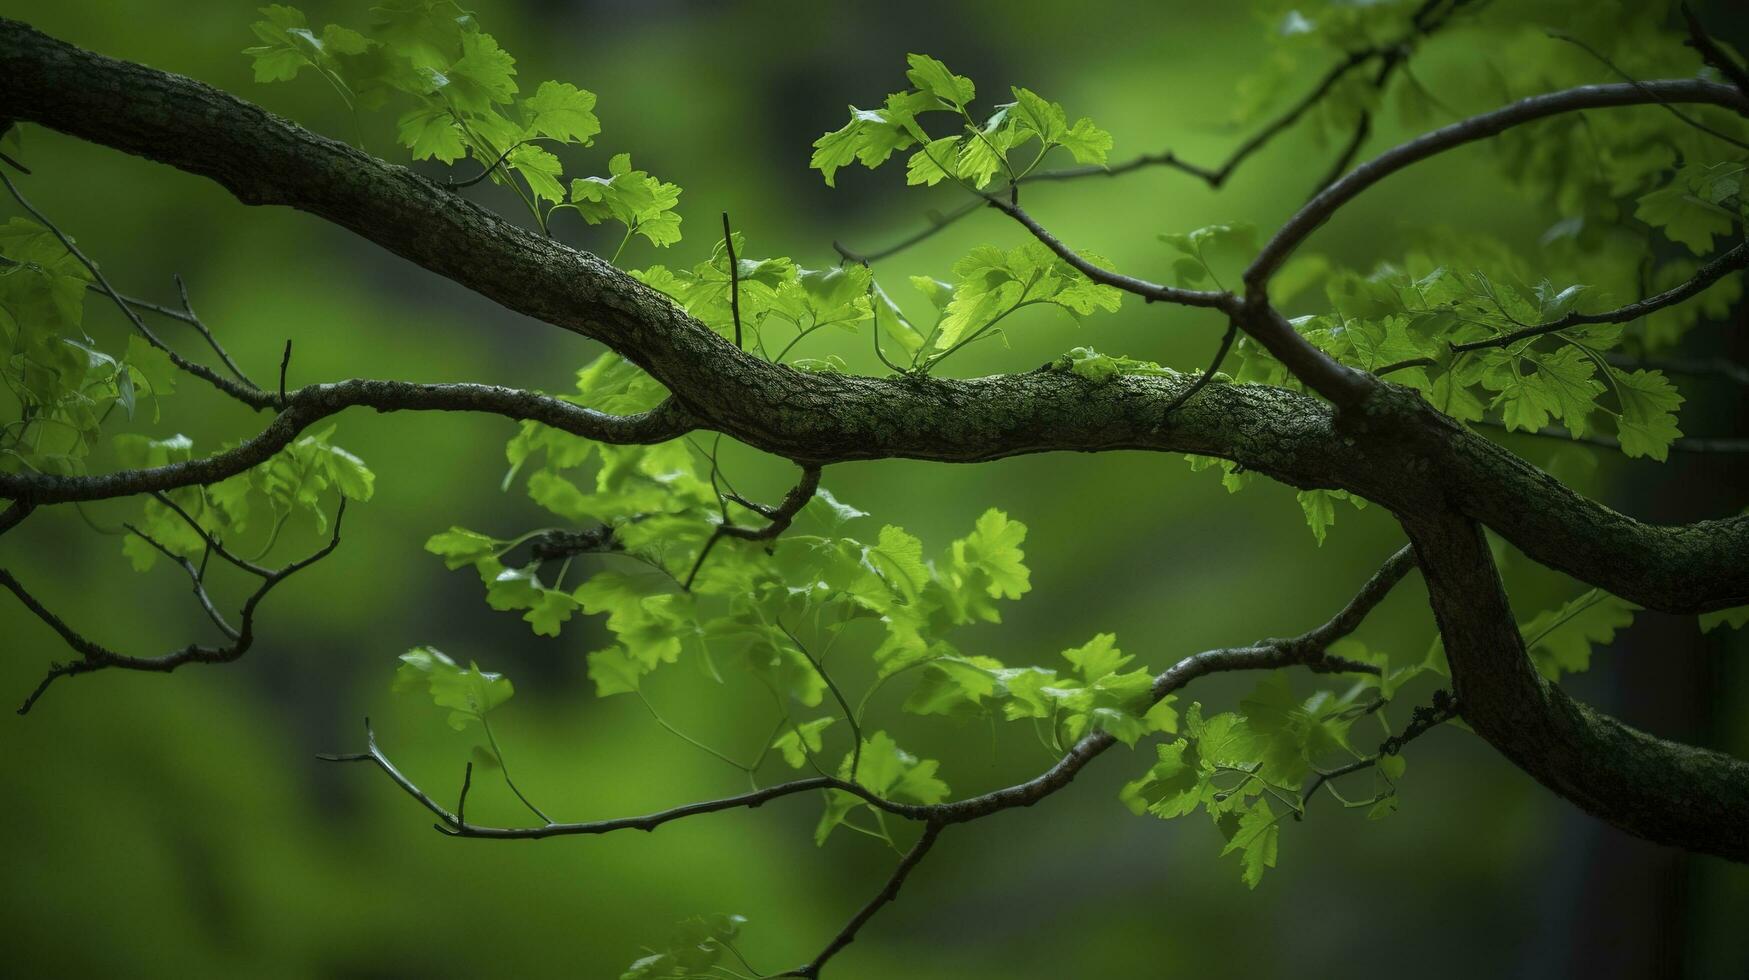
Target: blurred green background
<point>181,825</point>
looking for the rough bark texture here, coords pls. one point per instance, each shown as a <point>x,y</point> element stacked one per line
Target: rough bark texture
<point>1387,445</point>
<point>1663,791</point>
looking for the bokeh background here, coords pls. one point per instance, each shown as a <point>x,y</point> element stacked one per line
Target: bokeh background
<point>182,826</point>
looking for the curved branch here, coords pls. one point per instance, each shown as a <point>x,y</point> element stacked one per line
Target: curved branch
<point>888,893</point>
<point>1150,291</point>
<point>827,418</point>
<point>311,404</point>
<point>1319,209</point>
<point>1426,21</point>
<point>94,656</point>
<point>1663,791</point>
<point>1731,261</point>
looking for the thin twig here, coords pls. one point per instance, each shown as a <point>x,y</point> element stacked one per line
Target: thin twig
<point>284,365</point>
<point>1712,53</point>
<point>1631,80</point>
<point>734,279</point>
<point>888,893</point>
<point>246,393</point>
<point>781,517</point>
<point>94,656</point>
<point>1731,261</point>
<point>1681,444</point>
<point>1208,375</point>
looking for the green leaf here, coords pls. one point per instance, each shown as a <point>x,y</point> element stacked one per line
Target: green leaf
<point>484,76</point>
<point>692,951</point>
<point>1647,425</point>
<point>1086,142</point>
<point>1320,508</point>
<point>928,166</point>
<point>887,771</point>
<point>987,564</point>
<point>1560,639</point>
<point>933,77</point>
<point>469,693</point>
<point>459,546</point>
<point>1736,618</point>
<point>898,557</point>
<point>550,610</point>
<point>562,111</point>
<point>1684,217</point>
<point>1173,787</point>
<point>430,132</point>
<point>801,740</point>
<point>615,671</point>
<point>1255,837</point>
<point>632,197</point>
<point>1038,116</point>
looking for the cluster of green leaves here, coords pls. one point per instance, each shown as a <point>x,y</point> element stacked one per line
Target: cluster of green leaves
<point>694,949</point>
<point>464,103</point>
<point>1249,769</point>
<point>66,387</point>
<point>64,384</point>
<point>762,610</point>
<point>1305,38</point>
<point>781,303</point>
<point>468,692</point>
<point>1405,320</point>
<point>291,482</point>
<point>973,155</point>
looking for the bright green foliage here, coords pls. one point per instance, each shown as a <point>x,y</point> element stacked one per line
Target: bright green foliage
<point>469,693</point>
<point>1402,321</point>
<point>802,741</point>
<point>885,770</point>
<point>1232,765</point>
<point>633,198</point>
<point>973,155</point>
<point>294,481</point>
<point>1212,255</point>
<point>1320,508</point>
<point>65,385</point>
<point>1560,639</point>
<point>693,950</point>
<point>463,96</point>
<point>781,303</point>
<point>993,283</point>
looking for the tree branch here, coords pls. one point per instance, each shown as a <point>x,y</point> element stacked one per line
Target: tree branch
<point>825,418</point>
<point>888,893</point>
<point>1427,21</point>
<point>94,656</point>
<point>1666,792</point>
<point>311,404</point>
<point>1319,209</point>
<point>1731,261</point>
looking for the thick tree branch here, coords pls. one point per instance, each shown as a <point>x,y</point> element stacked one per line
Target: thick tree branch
<point>1663,791</point>
<point>826,418</point>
